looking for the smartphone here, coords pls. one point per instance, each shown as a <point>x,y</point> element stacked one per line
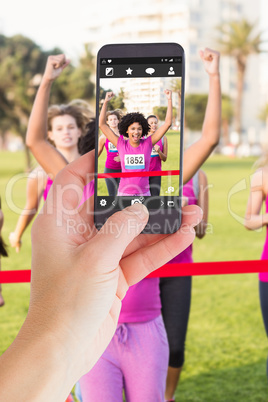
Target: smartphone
<point>140,154</point>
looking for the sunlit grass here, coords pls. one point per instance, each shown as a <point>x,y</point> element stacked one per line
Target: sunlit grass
<point>226,344</point>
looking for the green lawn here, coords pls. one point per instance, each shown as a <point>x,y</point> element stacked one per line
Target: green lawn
<point>226,345</point>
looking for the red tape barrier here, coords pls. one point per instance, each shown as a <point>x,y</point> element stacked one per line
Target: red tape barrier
<point>183,269</point>
<point>139,174</point>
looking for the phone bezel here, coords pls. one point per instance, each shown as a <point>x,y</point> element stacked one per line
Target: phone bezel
<point>140,50</point>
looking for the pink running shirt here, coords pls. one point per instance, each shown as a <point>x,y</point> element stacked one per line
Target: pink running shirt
<point>48,185</point>
<point>134,159</point>
<point>186,255</point>
<point>111,153</point>
<point>155,163</point>
<point>263,276</point>
<point>142,302</point>
<point>87,192</point>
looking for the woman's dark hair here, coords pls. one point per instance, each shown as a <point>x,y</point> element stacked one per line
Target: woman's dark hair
<point>152,115</point>
<point>3,246</point>
<point>117,112</point>
<point>78,109</point>
<point>87,142</point>
<point>131,118</point>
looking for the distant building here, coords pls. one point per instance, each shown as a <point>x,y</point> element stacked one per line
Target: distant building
<point>192,23</point>
<point>147,93</point>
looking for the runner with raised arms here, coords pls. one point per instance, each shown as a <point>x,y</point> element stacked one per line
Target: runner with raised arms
<point>135,153</point>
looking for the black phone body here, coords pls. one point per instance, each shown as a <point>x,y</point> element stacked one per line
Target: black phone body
<point>138,74</point>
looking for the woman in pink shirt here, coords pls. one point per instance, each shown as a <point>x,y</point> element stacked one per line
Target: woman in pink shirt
<point>254,220</point>
<point>3,251</point>
<point>158,155</point>
<point>112,164</point>
<point>135,153</point>
<point>66,127</point>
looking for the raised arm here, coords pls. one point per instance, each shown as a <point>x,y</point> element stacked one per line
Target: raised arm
<point>35,188</point>
<point>202,202</point>
<point>196,154</point>
<point>51,160</point>
<point>158,134</point>
<point>254,219</point>
<point>107,131</point>
<point>162,155</point>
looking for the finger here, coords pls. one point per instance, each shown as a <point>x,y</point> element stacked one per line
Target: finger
<point>59,62</point>
<point>209,54</point>
<point>142,262</point>
<point>147,239</point>
<point>67,62</point>
<point>118,231</point>
<point>201,54</point>
<point>71,180</point>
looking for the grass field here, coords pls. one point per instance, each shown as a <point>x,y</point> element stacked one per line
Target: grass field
<point>226,345</point>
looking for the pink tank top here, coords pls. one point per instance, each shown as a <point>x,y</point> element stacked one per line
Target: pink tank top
<point>188,191</point>
<point>142,302</point>
<point>263,276</point>
<point>87,192</point>
<point>134,159</point>
<point>155,163</point>
<point>111,153</point>
<point>48,185</point>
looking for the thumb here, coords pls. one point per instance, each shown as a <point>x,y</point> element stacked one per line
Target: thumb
<point>120,229</point>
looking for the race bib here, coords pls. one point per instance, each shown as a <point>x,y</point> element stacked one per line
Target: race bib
<point>112,147</point>
<point>136,161</point>
<point>154,152</point>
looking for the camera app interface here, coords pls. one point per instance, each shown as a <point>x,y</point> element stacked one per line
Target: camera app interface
<point>139,132</point>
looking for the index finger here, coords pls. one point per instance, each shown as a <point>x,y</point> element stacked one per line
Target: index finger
<point>152,256</point>
<point>70,182</point>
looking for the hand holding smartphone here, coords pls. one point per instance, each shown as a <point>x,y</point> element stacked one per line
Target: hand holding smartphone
<point>137,81</point>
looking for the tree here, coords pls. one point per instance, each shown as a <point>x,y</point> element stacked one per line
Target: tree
<point>22,63</point>
<point>239,41</point>
<point>117,102</point>
<point>195,107</point>
<point>74,82</point>
<point>264,115</point>
<point>176,87</point>
<point>20,60</point>
<point>160,112</point>
<point>227,114</point>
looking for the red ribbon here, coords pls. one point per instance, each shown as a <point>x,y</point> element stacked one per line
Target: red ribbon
<point>139,174</point>
<point>182,269</point>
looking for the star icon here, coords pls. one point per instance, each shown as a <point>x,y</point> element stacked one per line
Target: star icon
<point>129,71</point>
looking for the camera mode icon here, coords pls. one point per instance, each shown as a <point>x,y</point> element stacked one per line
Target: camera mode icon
<point>136,201</point>
<point>109,71</point>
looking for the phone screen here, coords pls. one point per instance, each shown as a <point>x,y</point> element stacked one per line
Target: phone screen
<point>135,169</point>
